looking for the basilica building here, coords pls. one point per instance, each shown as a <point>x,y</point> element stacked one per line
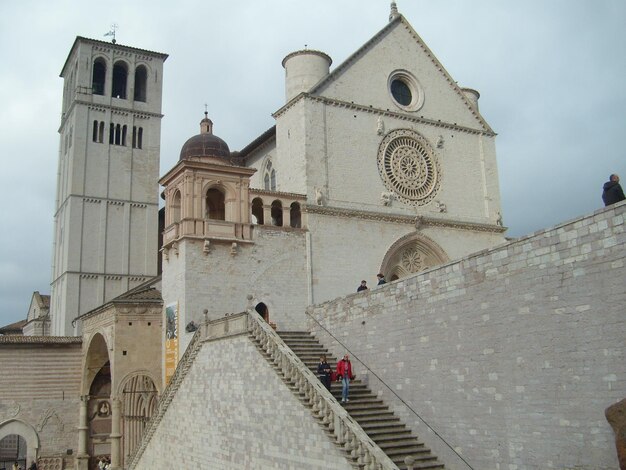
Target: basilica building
<point>379,164</point>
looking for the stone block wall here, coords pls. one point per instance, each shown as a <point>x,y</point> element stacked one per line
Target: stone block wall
<point>39,392</point>
<point>232,411</point>
<point>512,355</point>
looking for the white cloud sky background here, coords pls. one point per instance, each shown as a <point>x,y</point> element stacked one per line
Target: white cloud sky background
<point>550,73</point>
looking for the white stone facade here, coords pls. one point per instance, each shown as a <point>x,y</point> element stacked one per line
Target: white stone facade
<point>329,143</point>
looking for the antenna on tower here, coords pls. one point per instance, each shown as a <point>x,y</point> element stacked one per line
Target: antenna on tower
<point>112,32</point>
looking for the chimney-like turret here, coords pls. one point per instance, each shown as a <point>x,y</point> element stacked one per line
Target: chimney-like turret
<point>303,69</point>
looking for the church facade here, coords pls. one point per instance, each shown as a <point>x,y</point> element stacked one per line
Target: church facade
<point>381,165</point>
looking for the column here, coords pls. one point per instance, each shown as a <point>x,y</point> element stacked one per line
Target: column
<point>267,214</point>
<point>286,216</point>
<point>115,436</point>
<point>82,459</point>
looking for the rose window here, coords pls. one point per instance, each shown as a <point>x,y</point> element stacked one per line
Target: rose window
<point>412,260</point>
<point>409,167</point>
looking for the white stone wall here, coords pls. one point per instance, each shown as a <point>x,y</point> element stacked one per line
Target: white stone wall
<point>232,411</point>
<point>272,270</point>
<point>107,194</point>
<point>512,354</point>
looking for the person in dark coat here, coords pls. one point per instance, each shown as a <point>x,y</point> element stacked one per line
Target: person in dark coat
<point>612,191</point>
<point>324,372</point>
<point>362,287</point>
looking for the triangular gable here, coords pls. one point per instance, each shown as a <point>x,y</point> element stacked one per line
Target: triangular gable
<point>39,304</point>
<point>444,99</point>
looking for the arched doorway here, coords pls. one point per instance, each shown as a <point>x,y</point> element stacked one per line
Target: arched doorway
<point>263,310</point>
<point>19,442</point>
<point>97,381</point>
<point>411,254</point>
<point>139,402</point>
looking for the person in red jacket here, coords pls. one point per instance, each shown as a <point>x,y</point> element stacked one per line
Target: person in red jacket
<point>344,372</point>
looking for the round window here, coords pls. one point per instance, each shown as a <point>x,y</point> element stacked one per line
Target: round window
<point>401,92</point>
<point>409,167</point>
<point>405,90</point>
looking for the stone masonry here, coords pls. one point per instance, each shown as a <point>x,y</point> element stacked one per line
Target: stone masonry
<point>232,411</point>
<point>512,355</point>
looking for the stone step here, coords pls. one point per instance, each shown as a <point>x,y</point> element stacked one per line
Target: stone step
<point>372,414</point>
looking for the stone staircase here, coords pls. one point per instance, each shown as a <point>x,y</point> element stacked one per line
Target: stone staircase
<point>376,419</point>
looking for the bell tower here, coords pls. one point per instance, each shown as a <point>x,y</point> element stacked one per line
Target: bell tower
<point>106,210</point>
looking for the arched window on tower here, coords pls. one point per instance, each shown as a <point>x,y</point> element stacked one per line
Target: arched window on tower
<point>98,76</point>
<point>257,211</point>
<point>277,213</point>
<point>295,215</point>
<point>141,81</point>
<point>120,78</point>
<point>215,204</point>
<point>269,177</point>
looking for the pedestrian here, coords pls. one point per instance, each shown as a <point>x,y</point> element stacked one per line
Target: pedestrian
<point>612,191</point>
<point>381,279</point>
<point>324,371</point>
<point>363,286</point>
<point>344,372</point>
<point>33,466</point>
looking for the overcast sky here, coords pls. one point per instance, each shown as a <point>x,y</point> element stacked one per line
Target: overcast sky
<point>551,74</point>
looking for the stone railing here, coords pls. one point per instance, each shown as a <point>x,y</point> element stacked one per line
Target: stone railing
<point>334,417</point>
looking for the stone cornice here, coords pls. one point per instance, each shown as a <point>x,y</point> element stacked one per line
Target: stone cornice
<point>19,339</point>
<point>381,112</point>
<point>109,46</point>
<point>104,107</point>
<point>418,221</point>
<point>98,199</point>
<point>267,192</point>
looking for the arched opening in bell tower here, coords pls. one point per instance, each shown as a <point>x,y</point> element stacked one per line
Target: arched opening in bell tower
<point>98,76</point>
<point>141,81</point>
<point>120,77</point>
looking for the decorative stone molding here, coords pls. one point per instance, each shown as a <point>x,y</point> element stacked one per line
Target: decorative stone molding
<point>380,126</point>
<point>206,248</point>
<point>391,114</point>
<point>409,167</point>
<point>386,198</point>
<point>319,196</point>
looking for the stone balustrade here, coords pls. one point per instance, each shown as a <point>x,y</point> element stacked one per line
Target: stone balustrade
<point>345,430</point>
<point>334,417</point>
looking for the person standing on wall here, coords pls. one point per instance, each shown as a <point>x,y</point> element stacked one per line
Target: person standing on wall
<point>362,287</point>
<point>612,191</point>
<point>381,279</point>
<point>344,372</point>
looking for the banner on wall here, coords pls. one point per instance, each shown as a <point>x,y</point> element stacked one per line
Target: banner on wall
<point>171,340</point>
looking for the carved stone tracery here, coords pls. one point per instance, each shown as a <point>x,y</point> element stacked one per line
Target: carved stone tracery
<point>408,167</point>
